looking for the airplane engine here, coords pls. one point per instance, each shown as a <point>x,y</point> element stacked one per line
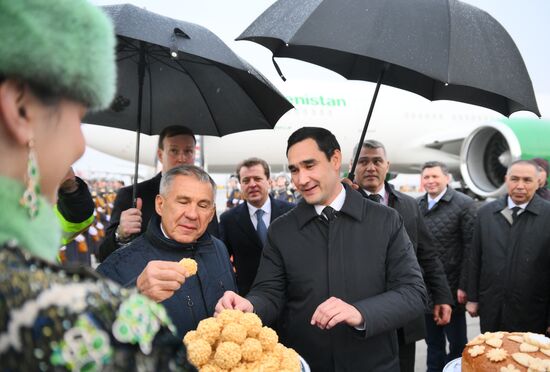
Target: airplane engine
<point>487,152</point>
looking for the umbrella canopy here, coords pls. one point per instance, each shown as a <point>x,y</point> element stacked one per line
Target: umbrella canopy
<point>439,49</point>
<point>174,72</point>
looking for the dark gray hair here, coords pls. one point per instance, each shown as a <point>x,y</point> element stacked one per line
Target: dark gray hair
<point>525,162</point>
<point>371,144</point>
<point>186,170</point>
<point>433,164</point>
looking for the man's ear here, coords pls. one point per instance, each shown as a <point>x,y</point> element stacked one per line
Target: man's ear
<point>159,201</point>
<point>159,155</point>
<point>336,159</point>
<point>14,106</point>
<point>212,213</point>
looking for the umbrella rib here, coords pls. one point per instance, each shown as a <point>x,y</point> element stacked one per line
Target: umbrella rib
<point>203,98</point>
<point>168,65</point>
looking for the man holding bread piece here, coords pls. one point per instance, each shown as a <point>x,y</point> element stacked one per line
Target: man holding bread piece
<point>177,262</point>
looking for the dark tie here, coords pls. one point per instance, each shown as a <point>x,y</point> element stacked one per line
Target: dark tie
<point>375,197</point>
<point>515,212</point>
<point>261,229</point>
<point>329,213</point>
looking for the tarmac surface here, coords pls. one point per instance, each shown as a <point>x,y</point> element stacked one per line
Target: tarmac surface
<point>420,361</point>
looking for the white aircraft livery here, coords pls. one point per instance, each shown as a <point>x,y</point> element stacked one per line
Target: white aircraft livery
<point>476,143</point>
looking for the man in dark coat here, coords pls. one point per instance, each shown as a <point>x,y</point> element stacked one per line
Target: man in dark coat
<point>370,174</point>
<point>338,272</point>
<point>509,284</point>
<point>176,146</point>
<point>449,215</point>
<point>239,228</point>
<point>151,262</point>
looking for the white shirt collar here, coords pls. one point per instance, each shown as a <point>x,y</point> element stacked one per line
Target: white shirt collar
<point>382,194</point>
<point>266,208</point>
<point>336,204</point>
<point>511,204</point>
<point>163,233</point>
<point>438,197</point>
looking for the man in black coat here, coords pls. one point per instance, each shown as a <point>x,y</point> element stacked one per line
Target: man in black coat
<point>509,282</point>
<point>449,215</point>
<point>337,296</point>
<point>239,228</point>
<point>176,146</point>
<point>370,175</point>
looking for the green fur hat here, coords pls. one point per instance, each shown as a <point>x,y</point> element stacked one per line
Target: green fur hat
<point>67,46</point>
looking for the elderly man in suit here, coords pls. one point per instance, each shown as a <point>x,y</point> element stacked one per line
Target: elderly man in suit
<point>370,176</point>
<point>509,276</point>
<point>337,297</point>
<point>176,146</point>
<point>243,229</point>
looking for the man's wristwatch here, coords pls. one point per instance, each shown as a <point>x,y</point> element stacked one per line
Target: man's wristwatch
<point>118,239</point>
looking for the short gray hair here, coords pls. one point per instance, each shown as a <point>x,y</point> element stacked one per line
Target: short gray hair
<point>525,162</point>
<point>186,170</point>
<point>371,144</point>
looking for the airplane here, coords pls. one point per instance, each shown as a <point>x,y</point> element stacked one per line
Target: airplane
<point>476,143</point>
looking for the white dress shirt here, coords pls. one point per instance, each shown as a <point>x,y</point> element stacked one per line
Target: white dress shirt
<point>383,195</point>
<point>267,213</point>
<point>336,204</point>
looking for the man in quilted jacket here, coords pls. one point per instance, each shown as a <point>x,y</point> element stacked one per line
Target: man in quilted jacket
<point>449,216</point>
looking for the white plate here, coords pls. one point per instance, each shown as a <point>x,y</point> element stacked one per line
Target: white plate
<point>454,365</point>
<point>305,366</point>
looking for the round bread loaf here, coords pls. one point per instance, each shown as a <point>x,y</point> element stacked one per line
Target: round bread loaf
<point>507,352</point>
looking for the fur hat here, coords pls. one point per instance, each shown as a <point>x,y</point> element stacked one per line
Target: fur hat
<point>66,46</point>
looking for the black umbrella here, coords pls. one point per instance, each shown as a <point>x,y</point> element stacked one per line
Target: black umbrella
<point>440,49</point>
<point>174,72</point>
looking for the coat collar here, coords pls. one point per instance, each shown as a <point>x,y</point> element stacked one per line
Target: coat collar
<point>534,205</point>
<point>447,197</point>
<point>158,240</point>
<point>353,207</point>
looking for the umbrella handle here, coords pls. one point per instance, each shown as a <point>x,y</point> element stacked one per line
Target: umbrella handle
<point>351,174</point>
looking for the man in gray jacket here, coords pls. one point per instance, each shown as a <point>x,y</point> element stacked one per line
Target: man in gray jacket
<point>449,216</point>
<point>338,272</point>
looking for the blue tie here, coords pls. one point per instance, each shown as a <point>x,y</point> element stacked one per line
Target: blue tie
<point>431,203</point>
<point>261,229</point>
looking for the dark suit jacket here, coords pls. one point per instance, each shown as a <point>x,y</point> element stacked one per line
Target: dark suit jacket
<point>239,235</point>
<point>147,191</point>
<point>305,262</point>
<point>432,268</point>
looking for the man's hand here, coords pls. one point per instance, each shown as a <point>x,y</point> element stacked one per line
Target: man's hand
<point>442,314</point>
<point>231,300</point>
<point>335,311</point>
<point>130,221</point>
<point>348,182</point>
<point>471,308</point>
<point>461,296</point>
<point>160,279</point>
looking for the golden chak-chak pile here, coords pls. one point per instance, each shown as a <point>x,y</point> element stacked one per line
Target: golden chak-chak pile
<point>507,352</point>
<point>190,266</point>
<point>236,342</point>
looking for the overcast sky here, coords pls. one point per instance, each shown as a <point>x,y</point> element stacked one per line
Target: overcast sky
<point>527,22</point>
